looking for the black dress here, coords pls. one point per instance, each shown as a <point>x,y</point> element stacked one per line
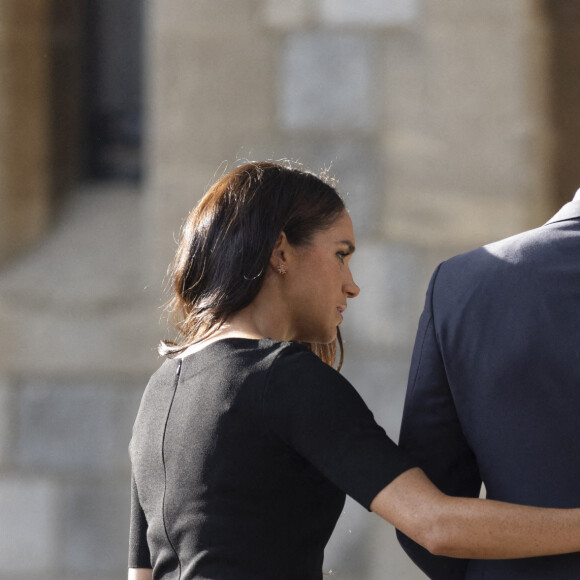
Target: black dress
<point>241,457</point>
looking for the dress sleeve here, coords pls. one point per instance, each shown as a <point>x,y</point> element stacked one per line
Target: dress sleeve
<point>139,556</point>
<point>316,411</point>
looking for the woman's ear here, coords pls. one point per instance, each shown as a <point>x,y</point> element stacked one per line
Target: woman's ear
<point>279,257</point>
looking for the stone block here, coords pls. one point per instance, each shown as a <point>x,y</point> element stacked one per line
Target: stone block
<point>384,316</point>
<point>24,147</point>
<point>6,414</point>
<point>327,82</point>
<point>450,218</point>
<point>288,14</point>
<point>404,64</point>
<point>353,161</point>
<point>66,427</point>
<point>209,18</point>
<point>371,13</point>
<point>91,263</point>
<point>116,341</point>
<point>358,172</point>
<point>85,287</point>
<point>28,527</point>
<point>96,528</point>
<point>483,88</point>
<point>492,11</point>
<point>381,379</point>
<point>223,91</point>
<point>86,427</point>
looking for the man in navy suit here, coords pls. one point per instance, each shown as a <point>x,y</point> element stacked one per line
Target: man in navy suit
<point>494,386</point>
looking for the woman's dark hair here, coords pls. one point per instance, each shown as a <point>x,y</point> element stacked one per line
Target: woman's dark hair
<point>227,241</point>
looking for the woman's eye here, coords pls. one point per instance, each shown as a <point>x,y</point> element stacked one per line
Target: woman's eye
<point>342,256</point>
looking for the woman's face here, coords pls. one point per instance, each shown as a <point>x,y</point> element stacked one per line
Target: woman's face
<point>319,282</point>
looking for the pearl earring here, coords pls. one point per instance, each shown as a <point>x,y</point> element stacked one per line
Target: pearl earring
<point>281,269</point>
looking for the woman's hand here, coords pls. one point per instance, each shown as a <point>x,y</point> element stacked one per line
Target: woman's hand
<point>474,528</point>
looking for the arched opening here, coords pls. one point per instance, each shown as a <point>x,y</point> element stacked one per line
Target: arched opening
<point>113,71</point>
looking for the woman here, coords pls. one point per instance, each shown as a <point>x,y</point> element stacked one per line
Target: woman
<point>247,441</point>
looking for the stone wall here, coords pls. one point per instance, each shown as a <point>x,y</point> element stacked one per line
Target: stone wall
<point>433,117</point>
<point>77,346</point>
<point>565,91</point>
<point>24,118</point>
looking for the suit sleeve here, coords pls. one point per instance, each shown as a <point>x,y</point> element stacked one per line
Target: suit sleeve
<point>431,433</point>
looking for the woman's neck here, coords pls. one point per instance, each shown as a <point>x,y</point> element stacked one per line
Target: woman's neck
<point>243,324</point>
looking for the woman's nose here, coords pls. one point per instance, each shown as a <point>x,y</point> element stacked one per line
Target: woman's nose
<point>351,289</point>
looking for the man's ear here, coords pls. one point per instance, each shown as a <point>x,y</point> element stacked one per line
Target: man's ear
<point>280,252</point>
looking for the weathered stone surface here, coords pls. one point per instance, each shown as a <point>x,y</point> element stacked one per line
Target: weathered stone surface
<point>380,376</point>
<point>66,426</point>
<point>91,263</point>
<point>96,522</point>
<point>451,219</point>
<point>327,82</point>
<point>219,98</point>
<point>453,147</point>
<point>288,14</point>
<point>87,426</point>
<point>202,17</point>
<point>492,11</point>
<point>352,161</point>
<point>24,108</point>
<point>28,526</point>
<point>6,415</point>
<point>119,341</point>
<point>404,62</point>
<point>84,294</point>
<point>372,13</point>
<point>385,314</point>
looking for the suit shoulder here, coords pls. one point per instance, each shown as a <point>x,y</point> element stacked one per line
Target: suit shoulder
<point>499,254</point>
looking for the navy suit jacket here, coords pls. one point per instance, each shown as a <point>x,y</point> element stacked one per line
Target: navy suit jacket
<point>494,387</point>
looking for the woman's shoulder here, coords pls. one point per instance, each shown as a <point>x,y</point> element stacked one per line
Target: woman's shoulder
<point>243,356</point>
<point>294,356</point>
<point>297,367</point>
<point>278,357</point>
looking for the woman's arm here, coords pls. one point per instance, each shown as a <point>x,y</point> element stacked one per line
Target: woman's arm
<point>140,574</point>
<point>474,528</point>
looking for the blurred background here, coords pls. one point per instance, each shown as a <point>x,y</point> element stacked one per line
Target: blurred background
<point>449,124</point>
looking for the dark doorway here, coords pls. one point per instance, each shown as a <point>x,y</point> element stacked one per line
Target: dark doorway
<point>113,81</point>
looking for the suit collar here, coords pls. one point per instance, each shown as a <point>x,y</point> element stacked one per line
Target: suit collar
<point>569,211</point>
